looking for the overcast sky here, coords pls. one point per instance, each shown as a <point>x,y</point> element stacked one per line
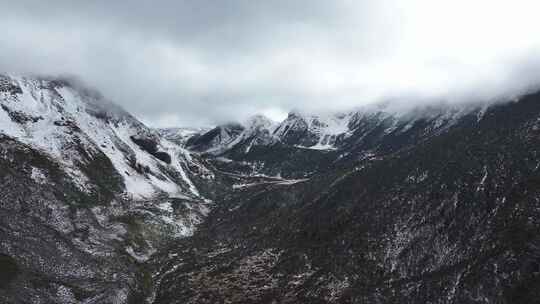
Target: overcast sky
<point>201,62</point>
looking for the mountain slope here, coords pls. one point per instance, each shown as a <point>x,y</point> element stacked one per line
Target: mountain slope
<point>88,195</point>
<point>448,219</point>
<point>74,125</point>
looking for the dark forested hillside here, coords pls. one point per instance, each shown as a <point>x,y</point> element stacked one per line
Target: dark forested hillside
<point>451,218</point>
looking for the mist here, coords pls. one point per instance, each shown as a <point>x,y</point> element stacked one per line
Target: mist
<point>198,63</point>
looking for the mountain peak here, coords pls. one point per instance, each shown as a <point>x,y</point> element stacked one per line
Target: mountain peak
<point>259,121</point>
<point>75,126</point>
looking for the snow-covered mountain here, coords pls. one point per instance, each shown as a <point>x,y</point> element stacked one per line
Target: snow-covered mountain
<point>257,130</point>
<point>301,130</point>
<point>313,131</point>
<point>304,143</point>
<point>180,135</point>
<point>328,131</point>
<point>216,138</point>
<point>75,126</point>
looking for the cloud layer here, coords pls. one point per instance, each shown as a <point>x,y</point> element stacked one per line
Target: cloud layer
<point>203,62</point>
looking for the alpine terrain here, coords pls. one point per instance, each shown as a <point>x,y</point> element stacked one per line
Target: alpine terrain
<point>435,203</point>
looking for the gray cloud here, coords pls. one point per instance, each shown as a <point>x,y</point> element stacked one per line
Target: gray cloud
<point>203,62</point>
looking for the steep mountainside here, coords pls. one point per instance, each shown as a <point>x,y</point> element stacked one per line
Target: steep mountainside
<point>88,194</point>
<point>447,216</point>
<point>76,125</point>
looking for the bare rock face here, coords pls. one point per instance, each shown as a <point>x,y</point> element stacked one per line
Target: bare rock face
<point>150,145</point>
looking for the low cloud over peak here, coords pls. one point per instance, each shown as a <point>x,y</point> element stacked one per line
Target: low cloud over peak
<point>205,62</point>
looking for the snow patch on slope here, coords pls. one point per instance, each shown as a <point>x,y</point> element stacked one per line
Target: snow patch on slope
<point>180,135</point>
<point>324,128</point>
<point>60,120</point>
